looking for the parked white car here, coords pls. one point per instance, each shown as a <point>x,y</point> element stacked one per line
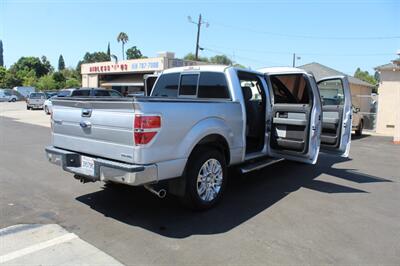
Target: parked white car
<point>6,96</point>
<point>48,106</point>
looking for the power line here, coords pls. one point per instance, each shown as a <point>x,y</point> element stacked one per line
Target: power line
<point>242,57</point>
<point>301,53</point>
<point>308,36</point>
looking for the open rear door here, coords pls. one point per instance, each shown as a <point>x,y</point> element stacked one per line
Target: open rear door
<point>337,114</point>
<point>296,112</point>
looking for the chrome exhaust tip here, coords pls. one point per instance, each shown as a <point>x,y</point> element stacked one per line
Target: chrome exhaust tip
<point>159,193</point>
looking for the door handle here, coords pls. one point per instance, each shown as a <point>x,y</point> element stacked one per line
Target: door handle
<point>85,124</point>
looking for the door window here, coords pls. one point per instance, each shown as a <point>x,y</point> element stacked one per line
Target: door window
<point>292,88</point>
<point>213,85</point>
<point>166,86</point>
<point>332,92</point>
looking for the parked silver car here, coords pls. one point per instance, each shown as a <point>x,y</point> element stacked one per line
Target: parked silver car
<point>6,96</point>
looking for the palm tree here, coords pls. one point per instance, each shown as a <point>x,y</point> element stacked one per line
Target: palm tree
<point>123,38</point>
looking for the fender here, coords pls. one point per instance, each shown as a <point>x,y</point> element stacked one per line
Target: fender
<point>202,129</point>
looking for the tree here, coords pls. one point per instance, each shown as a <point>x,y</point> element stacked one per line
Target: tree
<point>221,60</point>
<point>92,58</point>
<point>1,54</point>
<point>61,63</point>
<point>133,53</point>
<point>29,78</point>
<point>109,52</point>
<point>72,83</point>
<point>70,73</point>
<point>365,76</point>
<point>46,64</point>
<point>40,68</point>
<point>3,72</point>
<point>46,83</point>
<point>59,79</point>
<point>123,38</point>
<point>192,57</point>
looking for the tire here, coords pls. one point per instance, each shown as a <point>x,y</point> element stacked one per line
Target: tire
<point>46,110</point>
<point>13,100</point>
<point>28,108</point>
<point>360,129</point>
<point>213,186</point>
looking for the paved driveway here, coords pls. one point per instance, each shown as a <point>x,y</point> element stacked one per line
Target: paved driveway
<point>341,211</point>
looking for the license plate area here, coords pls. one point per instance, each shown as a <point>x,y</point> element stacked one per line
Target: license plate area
<point>87,165</point>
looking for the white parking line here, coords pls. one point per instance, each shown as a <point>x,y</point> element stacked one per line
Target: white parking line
<point>37,247</point>
<point>48,244</point>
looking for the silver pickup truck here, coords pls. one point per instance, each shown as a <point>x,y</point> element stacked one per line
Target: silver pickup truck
<point>197,122</point>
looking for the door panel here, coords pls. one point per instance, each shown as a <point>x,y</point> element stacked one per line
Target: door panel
<point>289,127</point>
<point>296,114</point>
<point>337,115</point>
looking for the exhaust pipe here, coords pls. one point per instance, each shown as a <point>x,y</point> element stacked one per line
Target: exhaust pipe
<point>84,179</point>
<point>160,193</point>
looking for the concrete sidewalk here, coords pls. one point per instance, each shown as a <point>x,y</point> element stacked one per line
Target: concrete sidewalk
<point>18,112</point>
<point>50,244</point>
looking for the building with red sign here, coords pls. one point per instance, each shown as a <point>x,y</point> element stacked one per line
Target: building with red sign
<point>128,76</point>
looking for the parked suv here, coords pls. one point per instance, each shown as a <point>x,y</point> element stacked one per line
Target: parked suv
<point>95,92</point>
<point>35,100</point>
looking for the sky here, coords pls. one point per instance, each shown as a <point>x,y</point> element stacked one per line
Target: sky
<point>341,34</point>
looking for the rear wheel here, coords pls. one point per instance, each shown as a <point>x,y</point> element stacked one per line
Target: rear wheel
<point>206,177</point>
<point>360,128</point>
<point>13,100</point>
<point>28,108</point>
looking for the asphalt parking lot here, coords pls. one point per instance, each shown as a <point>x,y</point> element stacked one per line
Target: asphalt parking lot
<point>340,211</point>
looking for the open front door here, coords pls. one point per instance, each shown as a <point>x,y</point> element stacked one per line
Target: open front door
<point>296,113</point>
<point>337,115</point>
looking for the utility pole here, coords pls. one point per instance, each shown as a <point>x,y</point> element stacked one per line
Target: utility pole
<point>200,21</point>
<point>294,60</point>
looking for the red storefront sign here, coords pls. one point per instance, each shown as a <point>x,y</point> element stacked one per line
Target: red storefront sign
<point>108,68</point>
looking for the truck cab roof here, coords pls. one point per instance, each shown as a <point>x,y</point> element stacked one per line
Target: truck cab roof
<point>281,70</point>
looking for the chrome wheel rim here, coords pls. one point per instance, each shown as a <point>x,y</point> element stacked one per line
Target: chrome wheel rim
<point>209,180</point>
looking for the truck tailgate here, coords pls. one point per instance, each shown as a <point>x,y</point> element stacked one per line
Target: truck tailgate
<point>100,128</point>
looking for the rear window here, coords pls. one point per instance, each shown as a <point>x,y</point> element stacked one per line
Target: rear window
<point>100,93</point>
<point>64,93</point>
<point>213,85</point>
<point>114,93</point>
<point>81,93</point>
<point>36,95</point>
<point>166,85</point>
<point>188,85</point>
<point>209,85</point>
<point>291,88</point>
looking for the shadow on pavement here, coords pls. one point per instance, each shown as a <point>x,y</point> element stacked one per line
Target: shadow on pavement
<point>355,137</point>
<point>245,197</point>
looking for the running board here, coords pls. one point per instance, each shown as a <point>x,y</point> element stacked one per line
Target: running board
<point>246,168</point>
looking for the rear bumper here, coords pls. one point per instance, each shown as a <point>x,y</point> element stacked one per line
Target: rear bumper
<point>33,105</point>
<point>104,170</point>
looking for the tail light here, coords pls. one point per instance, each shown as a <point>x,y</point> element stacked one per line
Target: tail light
<point>146,128</point>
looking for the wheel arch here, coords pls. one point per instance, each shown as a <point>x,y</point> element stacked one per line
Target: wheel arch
<point>216,141</point>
